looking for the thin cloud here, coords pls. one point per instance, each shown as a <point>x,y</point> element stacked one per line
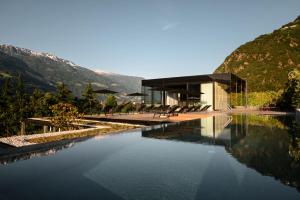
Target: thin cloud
<point>169,26</point>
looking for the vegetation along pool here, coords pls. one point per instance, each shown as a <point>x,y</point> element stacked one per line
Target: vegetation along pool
<point>221,157</point>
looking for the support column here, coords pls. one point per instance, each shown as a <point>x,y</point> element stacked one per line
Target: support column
<point>152,97</point>
<point>214,96</point>
<point>187,94</point>
<point>164,97</point>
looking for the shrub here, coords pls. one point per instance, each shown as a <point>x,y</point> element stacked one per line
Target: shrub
<point>111,101</point>
<point>291,95</point>
<point>128,107</point>
<point>257,98</point>
<point>64,115</point>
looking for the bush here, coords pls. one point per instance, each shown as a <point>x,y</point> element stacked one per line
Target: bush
<point>64,115</point>
<point>291,95</point>
<point>111,101</point>
<point>257,98</point>
<point>128,107</point>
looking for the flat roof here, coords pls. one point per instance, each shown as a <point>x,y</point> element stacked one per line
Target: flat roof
<point>221,78</point>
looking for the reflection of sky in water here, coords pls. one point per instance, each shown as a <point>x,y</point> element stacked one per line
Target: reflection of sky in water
<point>129,166</point>
<point>153,169</point>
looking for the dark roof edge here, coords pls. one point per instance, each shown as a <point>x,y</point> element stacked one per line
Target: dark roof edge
<point>193,76</point>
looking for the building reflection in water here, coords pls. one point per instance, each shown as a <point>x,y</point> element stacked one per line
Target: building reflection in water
<point>216,130</point>
<point>268,144</point>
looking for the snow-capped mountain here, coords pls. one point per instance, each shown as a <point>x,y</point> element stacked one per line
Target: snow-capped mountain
<point>48,70</point>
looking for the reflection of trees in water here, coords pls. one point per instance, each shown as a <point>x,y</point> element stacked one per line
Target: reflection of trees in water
<point>271,146</point>
<point>13,155</point>
<point>29,155</point>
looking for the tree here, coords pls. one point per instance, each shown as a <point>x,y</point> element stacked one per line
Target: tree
<point>36,103</point>
<point>14,107</point>
<point>89,99</point>
<point>6,123</point>
<point>63,94</point>
<point>291,95</point>
<point>111,101</point>
<point>21,99</point>
<point>295,78</point>
<point>64,115</point>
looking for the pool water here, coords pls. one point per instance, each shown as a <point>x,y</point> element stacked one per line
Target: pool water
<point>221,157</point>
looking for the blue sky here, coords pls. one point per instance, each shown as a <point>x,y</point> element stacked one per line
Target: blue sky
<point>148,38</point>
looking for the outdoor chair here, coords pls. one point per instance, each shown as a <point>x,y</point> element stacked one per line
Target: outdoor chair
<point>170,111</point>
<point>119,108</point>
<point>190,109</point>
<point>148,108</point>
<point>205,108</point>
<point>181,109</point>
<point>196,108</point>
<point>140,108</point>
<point>157,108</point>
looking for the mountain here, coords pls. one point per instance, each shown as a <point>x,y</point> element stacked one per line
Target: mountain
<point>266,61</point>
<point>13,67</point>
<point>45,71</point>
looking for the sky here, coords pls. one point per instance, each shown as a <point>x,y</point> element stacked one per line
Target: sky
<point>147,38</point>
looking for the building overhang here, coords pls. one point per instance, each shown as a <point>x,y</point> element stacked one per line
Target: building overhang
<point>224,78</point>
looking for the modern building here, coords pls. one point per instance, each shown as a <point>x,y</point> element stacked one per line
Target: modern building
<point>221,91</point>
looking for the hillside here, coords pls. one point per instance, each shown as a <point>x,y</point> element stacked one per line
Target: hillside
<point>44,71</point>
<point>266,61</point>
<point>13,67</point>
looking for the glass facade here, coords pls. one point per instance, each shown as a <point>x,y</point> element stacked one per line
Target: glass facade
<point>220,91</point>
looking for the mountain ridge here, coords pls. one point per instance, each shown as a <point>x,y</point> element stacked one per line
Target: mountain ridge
<point>53,70</point>
<point>266,61</point>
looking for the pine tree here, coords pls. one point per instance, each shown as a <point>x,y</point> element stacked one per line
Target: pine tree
<point>5,107</point>
<point>89,98</point>
<point>63,94</point>
<point>36,103</point>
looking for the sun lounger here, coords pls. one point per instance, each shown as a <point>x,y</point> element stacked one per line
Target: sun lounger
<point>205,108</point>
<point>196,108</point>
<point>170,111</point>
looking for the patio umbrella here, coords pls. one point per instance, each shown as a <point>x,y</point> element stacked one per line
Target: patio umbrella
<point>105,91</point>
<point>137,94</point>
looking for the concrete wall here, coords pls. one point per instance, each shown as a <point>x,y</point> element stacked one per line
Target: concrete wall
<point>221,97</point>
<point>207,97</point>
<point>172,99</point>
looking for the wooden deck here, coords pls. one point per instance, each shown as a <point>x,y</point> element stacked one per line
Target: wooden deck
<point>147,118</point>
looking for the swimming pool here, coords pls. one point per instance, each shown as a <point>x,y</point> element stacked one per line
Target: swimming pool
<point>221,157</point>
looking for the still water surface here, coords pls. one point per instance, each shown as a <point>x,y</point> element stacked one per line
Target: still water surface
<point>222,157</point>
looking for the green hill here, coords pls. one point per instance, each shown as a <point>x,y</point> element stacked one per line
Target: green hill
<point>266,61</point>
